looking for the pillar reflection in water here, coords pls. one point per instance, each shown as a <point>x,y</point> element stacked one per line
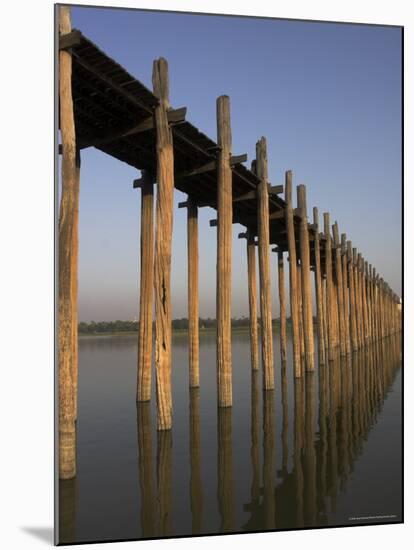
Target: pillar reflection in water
<point>269,462</point>
<point>145,466</point>
<point>309,451</point>
<point>67,510</point>
<point>164,480</point>
<point>196,486</point>
<point>225,490</point>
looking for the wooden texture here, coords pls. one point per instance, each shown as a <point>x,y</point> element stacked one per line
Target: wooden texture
<point>282,304</point>
<point>294,308</point>
<point>345,287</point>
<point>163,238</point>
<point>264,266</point>
<point>357,297</point>
<point>318,291</point>
<point>146,289</point>
<point>329,287</point>
<point>224,253</point>
<point>252,290</point>
<point>352,305</point>
<point>193,328</point>
<point>300,308</point>
<point>67,261</point>
<point>306,279</point>
<point>339,290</point>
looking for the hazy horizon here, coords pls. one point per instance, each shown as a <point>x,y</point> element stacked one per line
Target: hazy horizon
<point>326,96</point>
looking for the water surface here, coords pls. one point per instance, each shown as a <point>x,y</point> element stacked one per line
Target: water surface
<point>324,450</point>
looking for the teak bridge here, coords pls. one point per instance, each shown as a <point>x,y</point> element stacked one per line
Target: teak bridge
<point>101,105</point>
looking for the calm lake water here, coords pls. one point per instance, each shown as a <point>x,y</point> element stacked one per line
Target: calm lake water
<point>319,451</point>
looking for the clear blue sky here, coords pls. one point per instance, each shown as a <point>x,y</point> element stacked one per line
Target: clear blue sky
<point>326,96</point>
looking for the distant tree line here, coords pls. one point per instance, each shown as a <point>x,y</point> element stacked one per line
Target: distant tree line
<point>103,327</point>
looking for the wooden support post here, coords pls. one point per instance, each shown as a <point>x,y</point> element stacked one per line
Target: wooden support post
<point>294,308</point>
<point>252,290</point>
<point>357,283</point>
<point>68,232</point>
<point>163,238</point>
<point>146,289</point>
<point>374,300</point>
<point>282,303</point>
<point>352,305</point>
<point>306,279</point>
<point>264,265</point>
<point>75,264</point>
<point>325,317</point>
<point>339,289</point>
<point>224,236</point>
<point>368,301</point>
<point>300,307</point>
<point>363,300</point>
<point>329,287</point>
<point>193,328</point>
<point>345,287</point>
<point>318,290</point>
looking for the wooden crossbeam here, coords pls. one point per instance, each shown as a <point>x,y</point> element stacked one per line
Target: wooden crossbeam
<point>210,167</point>
<point>175,116</point>
<point>246,196</point>
<point>69,40</point>
<point>277,215</point>
<point>275,189</point>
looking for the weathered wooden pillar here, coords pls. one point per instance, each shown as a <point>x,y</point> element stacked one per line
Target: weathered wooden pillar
<point>375,303</point>
<point>193,328</point>
<point>339,289</point>
<point>368,301</point>
<point>294,309</point>
<point>282,304</point>
<point>357,297</point>
<point>224,252</point>
<point>306,278</point>
<point>345,287</point>
<point>75,263</point>
<point>146,289</point>
<point>300,307</point>
<point>162,262</point>
<point>252,288</point>
<point>363,301</point>
<point>325,316</point>
<point>329,287</point>
<point>264,265</point>
<point>352,306</point>
<point>318,290</point>
<point>67,261</point>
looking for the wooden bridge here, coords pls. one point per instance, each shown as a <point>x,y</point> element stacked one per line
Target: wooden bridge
<point>101,105</point>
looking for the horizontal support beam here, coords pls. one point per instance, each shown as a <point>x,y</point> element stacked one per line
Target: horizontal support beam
<point>275,189</point>
<point>280,214</point>
<point>137,184</point>
<point>246,196</point>
<point>210,167</point>
<point>175,116</point>
<point>69,40</point>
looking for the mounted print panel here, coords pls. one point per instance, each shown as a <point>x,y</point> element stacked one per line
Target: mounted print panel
<point>229,311</point>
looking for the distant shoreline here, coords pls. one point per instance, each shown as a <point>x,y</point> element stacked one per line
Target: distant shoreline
<point>175,332</point>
